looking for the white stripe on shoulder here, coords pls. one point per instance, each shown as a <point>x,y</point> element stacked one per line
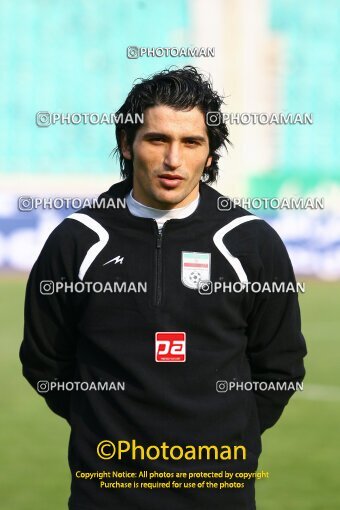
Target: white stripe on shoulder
<point>96,248</point>
<point>218,240</point>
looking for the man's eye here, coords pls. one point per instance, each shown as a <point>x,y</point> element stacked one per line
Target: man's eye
<point>156,139</point>
<point>191,142</point>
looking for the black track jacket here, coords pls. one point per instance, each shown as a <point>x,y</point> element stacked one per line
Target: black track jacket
<point>173,391</point>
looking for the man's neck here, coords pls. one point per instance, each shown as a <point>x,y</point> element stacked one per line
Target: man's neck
<point>143,199</point>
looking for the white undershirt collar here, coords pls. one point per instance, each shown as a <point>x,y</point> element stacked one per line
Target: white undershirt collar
<point>160,215</point>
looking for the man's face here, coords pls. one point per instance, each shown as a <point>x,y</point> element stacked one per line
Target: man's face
<point>169,153</point>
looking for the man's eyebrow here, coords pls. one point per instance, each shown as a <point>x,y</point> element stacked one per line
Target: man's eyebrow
<point>153,134</point>
<point>198,138</point>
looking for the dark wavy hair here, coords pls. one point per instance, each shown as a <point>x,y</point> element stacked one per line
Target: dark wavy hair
<point>181,89</point>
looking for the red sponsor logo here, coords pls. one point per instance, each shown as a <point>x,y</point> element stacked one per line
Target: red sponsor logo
<point>170,346</point>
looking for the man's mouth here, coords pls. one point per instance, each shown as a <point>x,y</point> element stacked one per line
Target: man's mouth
<point>170,181</point>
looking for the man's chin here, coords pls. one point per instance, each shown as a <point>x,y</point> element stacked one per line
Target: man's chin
<point>169,198</point>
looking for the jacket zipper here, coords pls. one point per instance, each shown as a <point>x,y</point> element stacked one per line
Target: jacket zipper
<point>158,267</point>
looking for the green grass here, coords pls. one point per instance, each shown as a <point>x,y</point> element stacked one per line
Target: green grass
<point>301,452</point>
<point>35,473</point>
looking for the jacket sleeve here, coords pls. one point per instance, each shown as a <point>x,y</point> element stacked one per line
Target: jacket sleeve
<point>276,346</point>
<point>48,349</point>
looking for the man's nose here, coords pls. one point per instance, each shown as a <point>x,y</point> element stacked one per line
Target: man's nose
<point>173,157</point>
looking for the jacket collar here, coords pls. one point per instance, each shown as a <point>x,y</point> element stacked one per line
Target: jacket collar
<point>207,206</point>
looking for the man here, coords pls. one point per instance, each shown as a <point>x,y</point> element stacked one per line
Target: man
<point>179,342</point>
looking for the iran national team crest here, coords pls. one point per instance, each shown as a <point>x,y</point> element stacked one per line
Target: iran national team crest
<point>195,267</point>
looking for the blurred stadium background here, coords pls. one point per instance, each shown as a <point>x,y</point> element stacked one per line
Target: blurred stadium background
<point>270,56</point>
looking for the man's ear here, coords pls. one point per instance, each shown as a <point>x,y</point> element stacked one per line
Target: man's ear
<point>209,161</point>
<point>126,150</point>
